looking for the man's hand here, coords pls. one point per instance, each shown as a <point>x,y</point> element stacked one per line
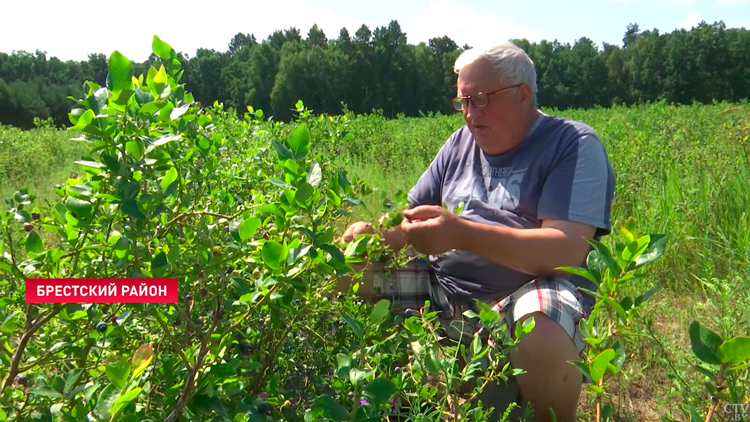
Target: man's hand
<point>431,229</point>
<point>356,229</point>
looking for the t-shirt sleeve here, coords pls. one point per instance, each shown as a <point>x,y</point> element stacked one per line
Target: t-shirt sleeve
<point>580,187</point>
<point>429,187</point>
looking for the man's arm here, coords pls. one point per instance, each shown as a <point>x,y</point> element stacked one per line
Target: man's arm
<point>537,252</point>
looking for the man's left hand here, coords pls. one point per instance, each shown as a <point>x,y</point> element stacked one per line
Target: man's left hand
<point>431,229</point>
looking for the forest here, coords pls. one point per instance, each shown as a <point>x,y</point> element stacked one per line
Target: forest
<point>380,71</point>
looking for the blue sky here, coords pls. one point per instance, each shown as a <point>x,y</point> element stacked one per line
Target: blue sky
<point>72,30</point>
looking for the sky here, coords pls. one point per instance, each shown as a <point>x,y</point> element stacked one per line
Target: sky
<point>72,30</point>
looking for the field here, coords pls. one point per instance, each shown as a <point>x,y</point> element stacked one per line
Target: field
<point>681,171</point>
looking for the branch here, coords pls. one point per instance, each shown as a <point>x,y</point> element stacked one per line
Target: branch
<point>24,340</point>
<point>188,389</point>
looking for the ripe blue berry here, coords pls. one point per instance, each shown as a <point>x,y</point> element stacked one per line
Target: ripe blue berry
<point>101,326</point>
<point>263,408</point>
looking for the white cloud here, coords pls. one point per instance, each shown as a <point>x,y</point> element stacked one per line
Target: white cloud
<point>692,20</point>
<point>473,28</point>
<point>729,2</point>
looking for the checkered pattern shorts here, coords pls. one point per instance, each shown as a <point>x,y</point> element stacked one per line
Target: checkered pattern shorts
<point>410,287</point>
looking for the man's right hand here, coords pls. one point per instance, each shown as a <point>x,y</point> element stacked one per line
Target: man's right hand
<point>356,229</point>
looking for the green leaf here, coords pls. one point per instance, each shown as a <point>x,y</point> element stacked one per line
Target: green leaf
<point>358,246</point>
<point>736,350</point>
<point>248,228</point>
<point>120,76</point>
<point>583,272</point>
<point>80,208</point>
<point>599,364</point>
<point>304,193</point>
<point>299,141</point>
<point>274,254</point>
<point>619,359</point>
<point>356,376</point>
<point>344,365</point>
<point>283,151</point>
<point>379,390</point>
<point>71,378</point>
<point>134,148</point>
<point>161,49</point>
<point>654,250</point>
<point>34,243</point>
<point>106,400</point>
<point>618,308</point>
<point>606,256</point>
<point>356,325</point>
<point>325,405</point>
<point>141,359</point>
<point>476,345</point>
<point>125,399</point>
<point>168,178</point>
<point>380,311</point>
<point>705,372</point>
<point>10,323</point>
<point>705,343</point>
<point>45,391</point>
<point>646,296</point>
<point>635,248</point>
<point>118,371</point>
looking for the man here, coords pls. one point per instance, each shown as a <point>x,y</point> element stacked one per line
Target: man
<point>534,188</point>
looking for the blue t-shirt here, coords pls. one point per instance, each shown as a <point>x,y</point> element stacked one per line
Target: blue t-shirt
<point>559,171</point>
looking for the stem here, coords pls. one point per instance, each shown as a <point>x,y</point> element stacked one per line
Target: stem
<point>188,389</point>
<point>712,409</point>
<point>173,341</point>
<point>10,245</point>
<point>24,340</point>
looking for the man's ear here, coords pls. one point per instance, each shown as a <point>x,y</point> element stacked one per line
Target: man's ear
<point>523,93</point>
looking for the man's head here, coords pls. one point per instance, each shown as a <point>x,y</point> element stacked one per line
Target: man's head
<point>501,120</point>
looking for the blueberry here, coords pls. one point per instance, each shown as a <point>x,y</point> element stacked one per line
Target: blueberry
<point>113,318</point>
<point>226,358</point>
<point>263,408</point>
<point>245,348</point>
<point>196,265</point>
<point>188,297</point>
<point>228,268</point>
<point>160,389</point>
<point>204,291</point>
<point>263,395</point>
<point>350,395</point>
<point>28,227</point>
<point>22,380</point>
<point>101,326</point>
<point>397,370</point>
<point>226,228</point>
<point>35,216</point>
<point>261,321</point>
<point>198,321</point>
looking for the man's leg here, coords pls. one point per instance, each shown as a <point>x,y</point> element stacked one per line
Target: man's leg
<point>550,381</point>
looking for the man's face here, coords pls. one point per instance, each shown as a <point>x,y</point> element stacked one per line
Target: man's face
<point>496,125</point>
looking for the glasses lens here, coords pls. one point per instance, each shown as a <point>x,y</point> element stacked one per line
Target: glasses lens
<point>458,103</point>
<point>480,100</point>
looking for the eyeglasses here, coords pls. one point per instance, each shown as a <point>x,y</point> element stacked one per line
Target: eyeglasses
<point>479,100</point>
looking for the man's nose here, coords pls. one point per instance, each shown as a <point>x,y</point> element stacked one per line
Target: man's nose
<point>471,110</point>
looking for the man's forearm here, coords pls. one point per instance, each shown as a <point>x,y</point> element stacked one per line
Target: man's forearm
<point>533,251</point>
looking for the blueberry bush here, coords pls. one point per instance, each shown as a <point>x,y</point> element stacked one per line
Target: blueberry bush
<point>247,214</point>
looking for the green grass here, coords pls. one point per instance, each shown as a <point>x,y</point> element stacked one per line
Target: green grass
<point>37,159</point>
<point>684,171</point>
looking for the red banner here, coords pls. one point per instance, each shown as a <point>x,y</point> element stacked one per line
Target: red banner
<point>101,290</point>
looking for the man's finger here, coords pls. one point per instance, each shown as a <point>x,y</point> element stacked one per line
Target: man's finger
<point>423,212</point>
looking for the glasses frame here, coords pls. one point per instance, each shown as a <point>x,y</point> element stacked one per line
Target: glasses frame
<point>464,101</point>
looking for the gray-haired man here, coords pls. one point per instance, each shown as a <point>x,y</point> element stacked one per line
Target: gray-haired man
<point>534,188</point>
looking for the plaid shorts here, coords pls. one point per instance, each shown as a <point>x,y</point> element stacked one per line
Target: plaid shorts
<point>410,287</point>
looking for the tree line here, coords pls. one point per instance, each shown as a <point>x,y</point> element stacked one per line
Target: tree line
<point>380,71</point>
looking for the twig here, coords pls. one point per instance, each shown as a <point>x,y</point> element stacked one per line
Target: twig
<point>187,390</point>
<point>173,341</point>
<point>24,340</point>
<point>712,409</point>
